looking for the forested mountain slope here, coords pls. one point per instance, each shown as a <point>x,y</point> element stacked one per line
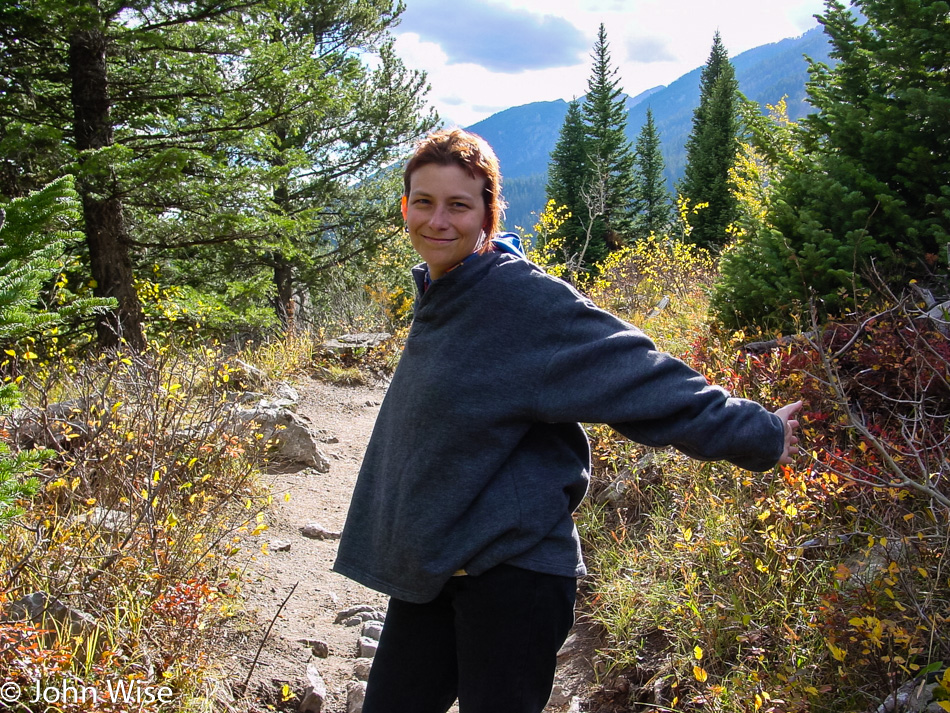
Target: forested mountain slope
<point>524,136</point>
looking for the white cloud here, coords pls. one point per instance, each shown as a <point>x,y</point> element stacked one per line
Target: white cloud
<point>648,50</point>
<point>498,37</point>
<point>494,55</point>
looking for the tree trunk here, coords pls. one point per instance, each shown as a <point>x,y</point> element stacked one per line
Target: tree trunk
<point>283,269</point>
<point>284,282</point>
<point>106,234</point>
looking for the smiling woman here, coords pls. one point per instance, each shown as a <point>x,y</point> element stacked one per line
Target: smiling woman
<point>445,216</point>
<point>462,512</point>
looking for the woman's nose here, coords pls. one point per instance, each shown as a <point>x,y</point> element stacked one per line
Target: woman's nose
<point>440,218</point>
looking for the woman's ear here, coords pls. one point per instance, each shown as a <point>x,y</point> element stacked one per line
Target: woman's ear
<point>404,205</point>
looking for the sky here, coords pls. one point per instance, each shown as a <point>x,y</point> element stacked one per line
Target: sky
<point>483,56</point>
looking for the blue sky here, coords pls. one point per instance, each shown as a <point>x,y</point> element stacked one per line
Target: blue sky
<point>482,56</point>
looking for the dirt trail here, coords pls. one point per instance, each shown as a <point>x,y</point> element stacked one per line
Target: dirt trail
<point>344,416</point>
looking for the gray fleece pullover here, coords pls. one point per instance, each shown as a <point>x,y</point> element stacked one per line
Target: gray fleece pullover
<point>477,456</point>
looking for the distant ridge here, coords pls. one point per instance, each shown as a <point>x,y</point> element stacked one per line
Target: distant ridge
<point>524,136</point>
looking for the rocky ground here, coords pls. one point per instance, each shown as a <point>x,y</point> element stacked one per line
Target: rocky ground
<point>288,584</point>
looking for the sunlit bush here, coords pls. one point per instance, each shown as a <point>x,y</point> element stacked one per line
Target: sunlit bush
<point>817,587</point>
<point>136,521</point>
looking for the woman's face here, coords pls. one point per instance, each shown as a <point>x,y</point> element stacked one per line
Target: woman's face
<point>445,213</point>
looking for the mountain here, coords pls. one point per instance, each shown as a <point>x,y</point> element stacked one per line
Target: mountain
<point>521,136</point>
<point>765,74</point>
<point>524,136</point>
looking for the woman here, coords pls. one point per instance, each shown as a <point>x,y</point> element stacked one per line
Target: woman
<point>462,512</point>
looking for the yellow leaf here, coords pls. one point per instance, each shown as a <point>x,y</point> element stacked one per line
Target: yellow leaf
<point>698,653</point>
<point>9,352</point>
<point>700,674</point>
<point>944,704</point>
<point>838,654</point>
<point>687,535</point>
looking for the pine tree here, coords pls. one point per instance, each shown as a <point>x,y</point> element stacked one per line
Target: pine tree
<point>652,203</point>
<point>568,177</point>
<point>610,154</point>
<point>34,232</point>
<point>870,190</point>
<point>172,115</point>
<point>711,151</point>
<point>330,202</point>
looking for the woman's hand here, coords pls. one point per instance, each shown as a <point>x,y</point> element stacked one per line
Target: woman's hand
<point>787,414</point>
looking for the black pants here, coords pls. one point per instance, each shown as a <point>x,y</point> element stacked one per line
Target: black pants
<point>491,641</point>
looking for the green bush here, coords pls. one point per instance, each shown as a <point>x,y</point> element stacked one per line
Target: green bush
<point>34,232</point>
<point>868,191</point>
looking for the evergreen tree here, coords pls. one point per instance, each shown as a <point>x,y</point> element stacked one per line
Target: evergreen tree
<point>168,112</point>
<point>34,232</point>
<point>330,201</point>
<point>871,188</point>
<point>569,176</point>
<point>711,151</point>
<point>610,166</point>
<point>653,205</point>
